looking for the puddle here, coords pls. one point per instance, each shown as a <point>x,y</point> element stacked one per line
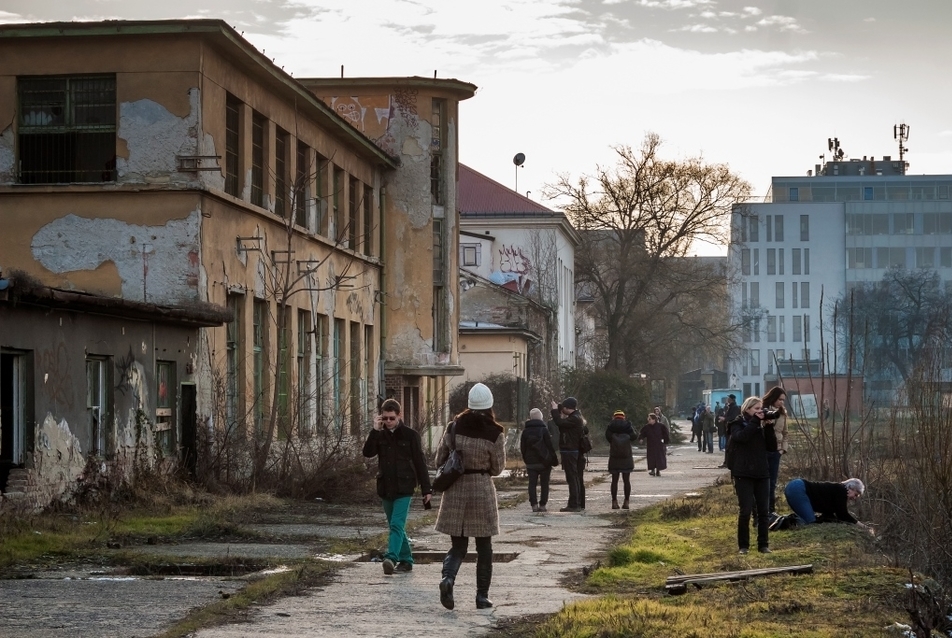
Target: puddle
<point>188,569</point>
<point>424,557</point>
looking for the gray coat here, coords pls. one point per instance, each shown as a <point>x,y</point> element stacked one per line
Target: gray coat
<point>468,508</point>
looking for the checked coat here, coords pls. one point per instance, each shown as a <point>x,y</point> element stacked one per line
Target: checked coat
<point>468,508</point>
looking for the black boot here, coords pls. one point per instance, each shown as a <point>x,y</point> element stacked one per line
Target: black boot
<point>450,568</point>
<point>484,576</point>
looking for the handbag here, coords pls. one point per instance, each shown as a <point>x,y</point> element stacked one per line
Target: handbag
<point>452,468</point>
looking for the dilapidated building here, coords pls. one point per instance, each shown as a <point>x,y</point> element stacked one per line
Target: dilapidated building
<point>199,249</point>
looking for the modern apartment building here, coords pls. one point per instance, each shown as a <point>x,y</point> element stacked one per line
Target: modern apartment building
<point>844,223</point>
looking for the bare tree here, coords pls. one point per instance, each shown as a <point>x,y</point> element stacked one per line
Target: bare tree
<point>894,322</point>
<point>637,220</point>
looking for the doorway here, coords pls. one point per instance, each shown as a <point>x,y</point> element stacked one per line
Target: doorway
<point>12,413</point>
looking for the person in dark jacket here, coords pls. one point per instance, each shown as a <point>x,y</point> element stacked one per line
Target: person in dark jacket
<point>731,412</point>
<point>829,500</point>
<point>656,437</point>
<point>401,466</point>
<point>571,426</point>
<point>747,450</point>
<point>536,438</point>
<point>469,506</point>
<point>708,427</point>
<point>619,435</point>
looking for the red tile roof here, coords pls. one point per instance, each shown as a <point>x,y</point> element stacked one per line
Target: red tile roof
<point>479,195</point>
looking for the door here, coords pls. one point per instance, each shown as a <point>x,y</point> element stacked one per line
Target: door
<point>12,395</point>
<point>189,428</point>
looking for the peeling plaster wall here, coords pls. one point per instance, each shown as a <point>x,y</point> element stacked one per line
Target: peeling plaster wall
<point>154,137</point>
<point>7,155</point>
<point>158,264</point>
<point>58,461</point>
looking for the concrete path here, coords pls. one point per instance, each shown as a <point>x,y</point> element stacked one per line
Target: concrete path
<point>364,602</point>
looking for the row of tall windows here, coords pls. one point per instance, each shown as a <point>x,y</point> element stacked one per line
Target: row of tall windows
<point>902,257</point>
<point>312,381</point>
<point>303,194</point>
<point>799,294</point>
<point>773,228</point>
<point>861,224</point>
<point>776,261</point>
<point>776,329</point>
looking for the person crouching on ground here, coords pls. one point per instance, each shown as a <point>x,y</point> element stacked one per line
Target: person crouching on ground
<point>534,441</point>
<point>401,466</point>
<point>747,450</point>
<point>468,507</point>
<point>619,435</point>
<point>571,426</point>
<point>829,500</point>
<point>656,437</point>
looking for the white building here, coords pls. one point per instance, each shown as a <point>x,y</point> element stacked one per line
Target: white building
<point>527,253</point>
<point>817,236</point>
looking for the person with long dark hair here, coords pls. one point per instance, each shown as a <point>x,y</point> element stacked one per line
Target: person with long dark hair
<point>775,411</point>
<point>747,461</point>
<point>468,507</point>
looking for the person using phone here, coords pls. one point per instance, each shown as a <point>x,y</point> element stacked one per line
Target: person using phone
<point>401,467</point>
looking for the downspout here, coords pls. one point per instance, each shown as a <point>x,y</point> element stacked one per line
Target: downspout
<point>382,298</point>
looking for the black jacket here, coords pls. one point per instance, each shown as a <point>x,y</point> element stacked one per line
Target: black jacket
<point>619,434</point>
<point>400,461</point>
<point>748,448</point>
<point>829,500</point>
<point>571,429</point>
<point>533,432</point>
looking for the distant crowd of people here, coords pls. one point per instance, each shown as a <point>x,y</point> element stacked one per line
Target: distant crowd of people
<point>752,436</point>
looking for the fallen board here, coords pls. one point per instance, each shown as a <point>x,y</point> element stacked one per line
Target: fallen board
<point>679,584</point>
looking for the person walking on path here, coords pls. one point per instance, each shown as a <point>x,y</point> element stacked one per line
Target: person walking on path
<point>656,437</point>
<point>775,411</point>
<point>619,435</point>
<point>662,419</point>
<point>468,507</point>
<point>731,412</point>
<point>401,466</point>
<point>697,429</point>
<point>829,500</point>
<point>708,427</point>
<point>747,454</point>
<point>571,426</point>
<point>538,453</point>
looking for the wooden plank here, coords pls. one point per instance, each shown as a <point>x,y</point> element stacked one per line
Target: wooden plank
<point>677,587</point>
<point>745,572</point>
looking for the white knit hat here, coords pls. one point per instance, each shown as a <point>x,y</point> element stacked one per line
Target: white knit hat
<point>480,397</point>
<point>536,414</point>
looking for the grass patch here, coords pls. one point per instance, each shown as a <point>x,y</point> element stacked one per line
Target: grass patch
<point>850,594</point>
<point>238,606</point>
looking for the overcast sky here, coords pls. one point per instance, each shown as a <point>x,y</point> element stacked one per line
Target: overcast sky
<point>757,84</point>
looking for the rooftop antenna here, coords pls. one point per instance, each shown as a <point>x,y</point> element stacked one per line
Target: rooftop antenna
<point>833,145</point>
<point>901,134</point>
<point>518,160</point>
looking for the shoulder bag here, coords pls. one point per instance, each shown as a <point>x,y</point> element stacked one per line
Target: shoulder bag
<point>452,468</point>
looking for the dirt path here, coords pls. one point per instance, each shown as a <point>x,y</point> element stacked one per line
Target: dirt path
<point>364,602</point>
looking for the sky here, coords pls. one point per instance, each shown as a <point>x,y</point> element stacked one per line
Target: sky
<point>759,85</point>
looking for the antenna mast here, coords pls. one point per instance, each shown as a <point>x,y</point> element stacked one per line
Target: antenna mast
<point>901,134</point>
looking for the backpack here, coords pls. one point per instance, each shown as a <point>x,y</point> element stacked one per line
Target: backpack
<point>542,447</point>
<point>620,446</point>
<point>584,444</point>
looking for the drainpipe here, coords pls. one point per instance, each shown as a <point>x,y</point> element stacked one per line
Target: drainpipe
<point>381,301</point>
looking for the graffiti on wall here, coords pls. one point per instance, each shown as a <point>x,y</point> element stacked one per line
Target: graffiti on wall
<point>515,270</point>
<point>368,114</point>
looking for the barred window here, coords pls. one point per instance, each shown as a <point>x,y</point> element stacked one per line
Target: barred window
<point>66,129</point>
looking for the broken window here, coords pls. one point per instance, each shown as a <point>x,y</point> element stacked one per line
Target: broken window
<point>281,148</point>
<point>232,142</point>
<point>66,129</point>
<point>258,125</point>
<point>302,181</point>
<point>165,408</point>
<point>99,405</point>
<point>436,153</point>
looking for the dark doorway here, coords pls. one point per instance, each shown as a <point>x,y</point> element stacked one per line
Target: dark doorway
<point>11,414</point>
<point>189,429</point>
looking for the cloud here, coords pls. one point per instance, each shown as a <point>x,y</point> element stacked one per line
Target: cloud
<point>697,28</point>
<point>7,17</point>
<point>752,11</point>
<point>674,4</point>
<point>784,23</point>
